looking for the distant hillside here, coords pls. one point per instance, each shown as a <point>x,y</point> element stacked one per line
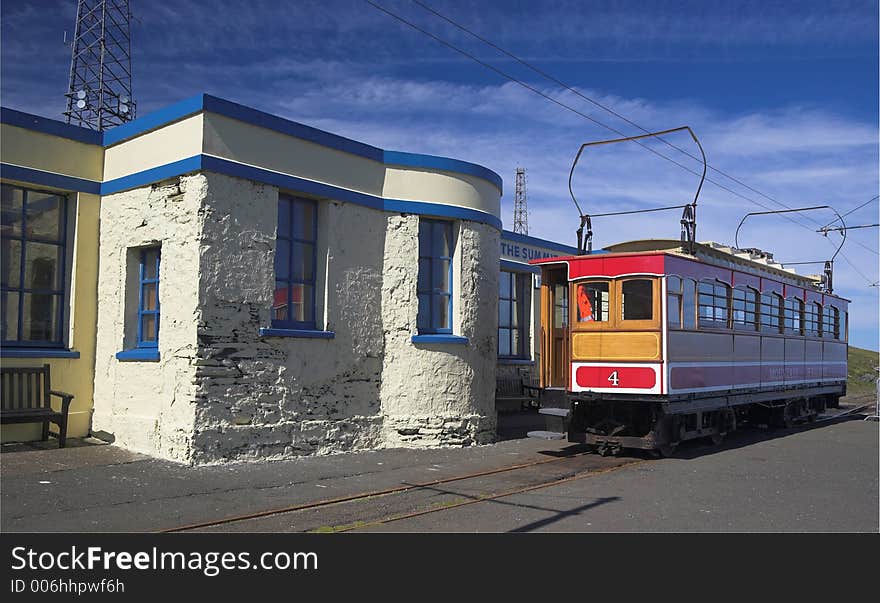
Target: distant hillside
<point>862,371</point>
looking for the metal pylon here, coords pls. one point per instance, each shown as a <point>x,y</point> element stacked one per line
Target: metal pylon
<point>99,94</point>
<point>520,206</point>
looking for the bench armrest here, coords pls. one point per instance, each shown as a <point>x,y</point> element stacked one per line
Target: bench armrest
<point>65,399</point>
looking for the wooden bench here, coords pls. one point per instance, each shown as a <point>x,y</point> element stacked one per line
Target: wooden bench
<point>25,393</point>
<point>516,390</point>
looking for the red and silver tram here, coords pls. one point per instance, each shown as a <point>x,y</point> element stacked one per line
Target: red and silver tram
<point>648,345</point>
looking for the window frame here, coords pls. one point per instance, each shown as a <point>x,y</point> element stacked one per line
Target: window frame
<point>520,284</point>
<point>799,310</point>
<point>813,316</point>
<point>142,281</point>
<point>61,293</point>
<point>751,296</point>
<point>289,237</point>
<point>779,327</point>
<point>615,307</point>
<point>432,291</point>
<point>706,324</point>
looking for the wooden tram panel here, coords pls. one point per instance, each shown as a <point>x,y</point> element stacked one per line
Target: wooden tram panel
<point>689,367</point>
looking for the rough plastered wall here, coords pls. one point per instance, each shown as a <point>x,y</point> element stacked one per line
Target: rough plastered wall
<point>148,406</point>
<point>222,392</point>
<point>275,397</point>
<point>440,394</point>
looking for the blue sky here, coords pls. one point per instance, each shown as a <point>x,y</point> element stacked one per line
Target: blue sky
<point>783,95</point>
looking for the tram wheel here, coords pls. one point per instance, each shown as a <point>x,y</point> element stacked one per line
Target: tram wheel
<point>716,438</point>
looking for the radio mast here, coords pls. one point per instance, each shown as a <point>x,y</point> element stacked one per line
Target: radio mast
<point>520,207</point>
<point>99,94</point>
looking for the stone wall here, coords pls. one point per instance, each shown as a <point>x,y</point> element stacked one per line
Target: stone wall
<point>440,394</point>
<point>222,391</point>
<point>148,406</point>
<point>275,397</point>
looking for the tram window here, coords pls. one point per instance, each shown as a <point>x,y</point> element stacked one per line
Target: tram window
<point>689,304</point>
<point>713,304</point>
<point>830,321</point>
<point>673,301</point>
<point>794,311</point>
<point>842,327</point>
<point>771,313</point>
<point>637,299</point>
<point>745,305</point>
<point>560,306</point>
<point>592,302</point>
<point>813,320</point>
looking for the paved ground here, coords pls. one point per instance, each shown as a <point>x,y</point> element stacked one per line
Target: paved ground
<point>808,479</point>
<point>823,479</point>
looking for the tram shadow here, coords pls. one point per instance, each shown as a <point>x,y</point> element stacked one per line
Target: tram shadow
<point>748,436</point>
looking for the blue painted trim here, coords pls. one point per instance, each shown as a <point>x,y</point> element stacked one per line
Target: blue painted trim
<point>265,332</point>
<point>50,179</point>
<point>440,339</point>
<point>518,267</point>
<point>213,104</point>
<point>507,235</point>
<point>426,208</point>
<point>7,352</point>
<point>139,355</point>
<point>162,172</point>
<point>522,361</point>
<point>45,125</point>
<point>152,121</point>
<point>300,185</point>
<point>442,163</point>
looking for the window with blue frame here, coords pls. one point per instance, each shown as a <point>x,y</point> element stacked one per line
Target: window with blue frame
<point>33,233</point>
<point>435,276</point>
<point>293,305</point>
<point>148,298</point>
<point>513,314</point>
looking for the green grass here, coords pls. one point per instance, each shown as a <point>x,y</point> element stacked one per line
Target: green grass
<point>862,366</point>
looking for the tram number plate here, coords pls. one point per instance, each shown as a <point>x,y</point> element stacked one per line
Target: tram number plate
<point>609,377</point>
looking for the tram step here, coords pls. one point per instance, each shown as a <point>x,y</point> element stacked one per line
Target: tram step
<point>554,412</point>
<point>546,435</point>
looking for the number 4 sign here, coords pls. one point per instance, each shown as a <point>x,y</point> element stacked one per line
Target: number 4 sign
<point>613,378</point>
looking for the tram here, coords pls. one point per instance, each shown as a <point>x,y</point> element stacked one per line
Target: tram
<point>652,342</point>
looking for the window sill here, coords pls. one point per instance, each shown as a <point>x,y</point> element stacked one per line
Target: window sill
<point>37,353</point>
<point>457,339</point>
<point>139,355</point>
<point>303,333</point>
<point>525,361</point>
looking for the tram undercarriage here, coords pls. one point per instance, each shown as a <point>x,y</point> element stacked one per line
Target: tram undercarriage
<point>610,425</point>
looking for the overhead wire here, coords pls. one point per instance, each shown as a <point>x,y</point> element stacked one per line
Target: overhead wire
<point>534,90</point>
<point>608,109</point>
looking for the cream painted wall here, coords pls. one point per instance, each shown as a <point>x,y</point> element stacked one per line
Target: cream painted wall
<point>447,188</point>
<point>54,154</point>
<point>169,143</point>
<point>237,141</point>
<point>148,406</point>
<point>73,375</point>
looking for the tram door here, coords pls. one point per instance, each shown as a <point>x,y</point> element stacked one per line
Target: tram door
<point>554,328</point>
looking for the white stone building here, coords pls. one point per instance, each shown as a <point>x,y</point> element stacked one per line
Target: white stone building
<point>267,290</point>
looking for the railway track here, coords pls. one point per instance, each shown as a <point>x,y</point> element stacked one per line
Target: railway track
<point>402,489</point>
<point>568,474</point>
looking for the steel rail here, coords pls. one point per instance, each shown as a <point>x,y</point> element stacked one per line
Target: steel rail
<point>479,499</point>
<point>363,495</point>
